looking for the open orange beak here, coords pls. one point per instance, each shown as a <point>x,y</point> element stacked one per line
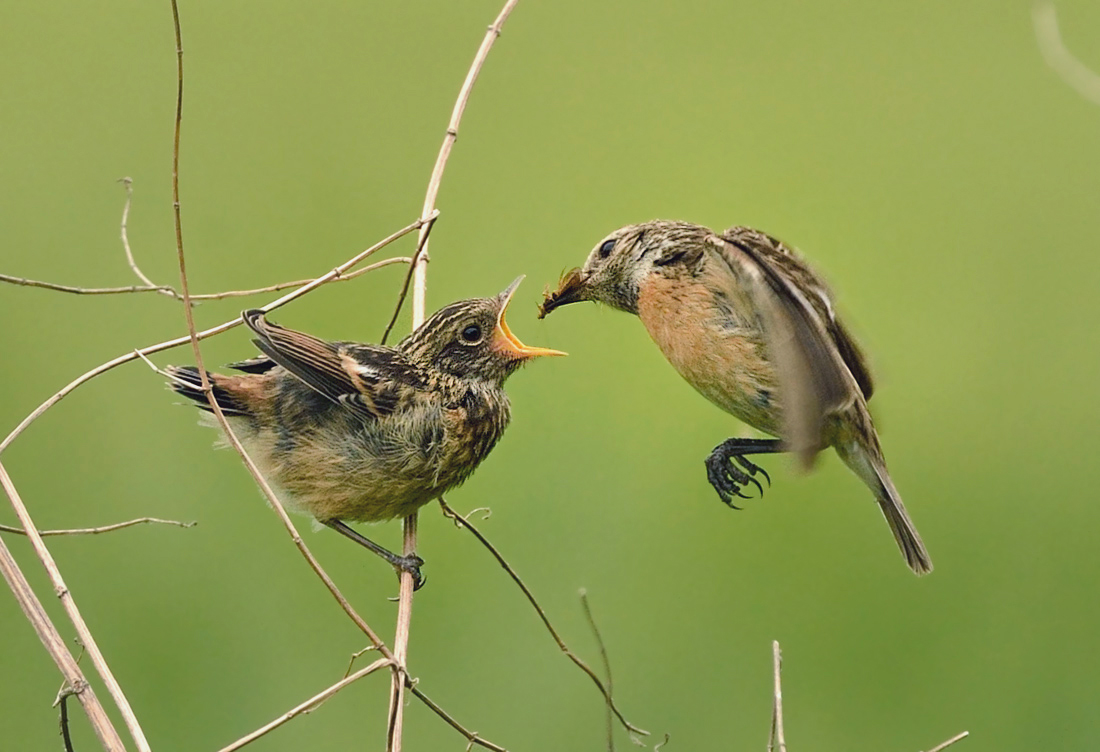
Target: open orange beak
<point>507,343</point>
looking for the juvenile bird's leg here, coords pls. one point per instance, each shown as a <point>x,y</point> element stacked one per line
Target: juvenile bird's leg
<point>729,470</point>
<point>410,564</point>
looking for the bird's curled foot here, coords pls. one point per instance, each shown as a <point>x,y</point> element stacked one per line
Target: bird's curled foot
<point>730,471</point>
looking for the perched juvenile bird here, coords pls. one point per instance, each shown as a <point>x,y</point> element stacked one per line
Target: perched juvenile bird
<point>366,433</point>
<point>752,327</point>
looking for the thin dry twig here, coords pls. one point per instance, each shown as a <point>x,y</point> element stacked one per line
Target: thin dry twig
<point>169,291</point>
<point>472,737</point>
<point>944,745</point>
<point>300,282</point>
<point>48,634</point>
<point>777,740</point>
<point>306,706</point>
<point>1079,76</point>
<point>128,184</point>
<point>98,530</point>
<point>461,521</point>
<point>24,282</point>
<point>606,666</point>
<point>420,271</point>
<point>223,327</point>
<point>421,244</point>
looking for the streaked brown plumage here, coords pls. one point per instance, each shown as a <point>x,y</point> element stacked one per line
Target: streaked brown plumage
<point>748,324</point>
<point>366,433</point>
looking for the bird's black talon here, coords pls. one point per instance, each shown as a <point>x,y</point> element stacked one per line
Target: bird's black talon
<point>767,477</point>
<point>759,488</point>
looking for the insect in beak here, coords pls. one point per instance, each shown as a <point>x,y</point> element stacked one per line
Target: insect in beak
<point>571,289</point>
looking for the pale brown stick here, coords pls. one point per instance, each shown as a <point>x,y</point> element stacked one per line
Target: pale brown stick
<point>98,530</point>
<point>463,522</point>
<point>420,271</point>
<point>777,740</point>
<point>82,631</point>
<point>944,745</point>
<point>55,646</point>
<point>1071,70</point>
<point>226,326</point>
<point>307,705</point>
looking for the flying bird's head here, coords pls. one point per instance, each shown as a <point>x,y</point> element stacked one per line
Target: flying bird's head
<point>615,269</point>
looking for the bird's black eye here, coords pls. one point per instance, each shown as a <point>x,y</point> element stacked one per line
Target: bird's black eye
<point>605,249</point>
<point>472,333</point>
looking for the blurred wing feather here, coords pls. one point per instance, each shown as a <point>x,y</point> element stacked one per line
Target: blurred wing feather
<point>812,373</point>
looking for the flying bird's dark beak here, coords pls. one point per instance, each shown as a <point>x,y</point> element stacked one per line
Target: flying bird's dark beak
<point>506,342</point>
<point>571,289</point>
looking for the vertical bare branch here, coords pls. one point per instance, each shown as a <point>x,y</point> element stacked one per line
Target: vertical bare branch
<point>777,740</point>
<point>420,272</point>
<point>52,641</point>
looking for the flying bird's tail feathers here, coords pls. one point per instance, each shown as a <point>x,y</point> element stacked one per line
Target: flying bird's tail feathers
<point>868,464</point>
<point>905,532</point>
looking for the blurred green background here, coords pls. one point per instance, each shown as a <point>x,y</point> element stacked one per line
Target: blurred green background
<point>921,155</point>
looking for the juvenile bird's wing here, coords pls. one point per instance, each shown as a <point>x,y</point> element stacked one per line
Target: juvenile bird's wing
<point>367,379</point>
<point>813,354</point>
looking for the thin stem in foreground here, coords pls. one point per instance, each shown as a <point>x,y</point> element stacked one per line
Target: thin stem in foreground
<point>463,522</point>
<point>606,666</point>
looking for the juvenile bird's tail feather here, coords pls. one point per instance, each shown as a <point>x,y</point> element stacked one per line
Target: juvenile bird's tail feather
<point>186,381</point>
<point>905,533</point>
